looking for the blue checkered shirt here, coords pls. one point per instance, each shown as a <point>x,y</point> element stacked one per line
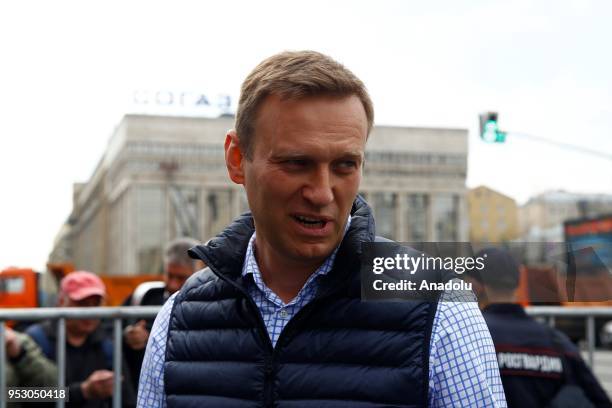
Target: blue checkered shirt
<point>463,370</point>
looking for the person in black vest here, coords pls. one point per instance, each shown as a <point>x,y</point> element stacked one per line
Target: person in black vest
<point>276,319</point>
<point>178,267</point>
<point>535,360</point>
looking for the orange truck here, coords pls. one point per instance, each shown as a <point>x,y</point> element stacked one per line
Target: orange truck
<point>24,287</point>
<point>587,279</point>
<point>19,288</point>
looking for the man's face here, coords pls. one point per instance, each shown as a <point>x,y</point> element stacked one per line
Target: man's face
<point>304,174</point>
<point>82,327</point>
<point>176,275</point>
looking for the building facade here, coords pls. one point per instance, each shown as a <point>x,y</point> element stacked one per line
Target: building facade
<point>542,216</point>
<point>162,177</point>
<point>493,216</point>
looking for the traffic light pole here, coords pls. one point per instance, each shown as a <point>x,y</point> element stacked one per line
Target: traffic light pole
<point>490,133</point>
<point>562,145</point>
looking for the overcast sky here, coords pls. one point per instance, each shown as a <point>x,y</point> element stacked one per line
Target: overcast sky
<point>69,70</point>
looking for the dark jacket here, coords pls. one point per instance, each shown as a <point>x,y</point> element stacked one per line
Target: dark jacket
<point>536,360</point>
<point>134,358</point>
<point>30,368</point>
<point>81,362</point>
<point>337,351</point>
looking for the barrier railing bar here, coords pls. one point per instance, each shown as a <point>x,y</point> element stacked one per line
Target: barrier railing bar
<point>551,321</point>
<point>150,312</point>
<point>61,358</point>
<point>117,363</point>
<point>145,312</point>
<point>590,335</point>
<point>569,311</point>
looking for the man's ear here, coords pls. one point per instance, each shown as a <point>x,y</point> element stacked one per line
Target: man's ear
<point>234,158</point>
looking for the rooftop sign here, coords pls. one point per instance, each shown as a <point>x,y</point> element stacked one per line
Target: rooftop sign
<point>182,103</point>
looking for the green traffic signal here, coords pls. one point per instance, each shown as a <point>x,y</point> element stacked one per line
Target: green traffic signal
<point>489,128</point>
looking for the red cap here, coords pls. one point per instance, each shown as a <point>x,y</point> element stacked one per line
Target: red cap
<point>79,285</point>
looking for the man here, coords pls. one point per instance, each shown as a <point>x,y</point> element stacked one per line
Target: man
<point>276,319</point>
<point>88,352</point>
<point>520,340</point>
<point>178,266</point>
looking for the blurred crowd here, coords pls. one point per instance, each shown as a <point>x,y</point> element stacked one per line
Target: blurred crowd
<point>89,375</point>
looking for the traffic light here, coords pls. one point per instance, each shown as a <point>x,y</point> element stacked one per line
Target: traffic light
<point>489,129</point>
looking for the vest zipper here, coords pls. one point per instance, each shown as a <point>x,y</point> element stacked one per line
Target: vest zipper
<point>269,382</point>
<point>289,327</point>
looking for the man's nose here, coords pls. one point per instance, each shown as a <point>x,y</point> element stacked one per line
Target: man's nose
<point>319,189</point>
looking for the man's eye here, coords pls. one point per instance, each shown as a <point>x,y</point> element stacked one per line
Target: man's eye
<point>295,162</point>
<point>347,164</point>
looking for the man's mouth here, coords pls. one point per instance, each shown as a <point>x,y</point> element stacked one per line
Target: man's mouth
<point>311,222</point>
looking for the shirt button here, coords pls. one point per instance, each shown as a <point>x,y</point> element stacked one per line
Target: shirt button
<point>283,313</point>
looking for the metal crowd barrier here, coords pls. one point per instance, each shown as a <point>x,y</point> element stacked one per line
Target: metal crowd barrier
<point>61,314</point>
<point>589,313</point>
<point>145,312</point>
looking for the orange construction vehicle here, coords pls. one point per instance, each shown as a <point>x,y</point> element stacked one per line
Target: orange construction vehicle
<point>23,287</point>
<point>586,276</point>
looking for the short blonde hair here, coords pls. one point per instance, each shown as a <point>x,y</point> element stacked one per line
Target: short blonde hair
<point>294,75</point>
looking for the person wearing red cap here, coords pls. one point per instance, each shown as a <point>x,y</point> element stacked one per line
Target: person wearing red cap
<point>89,372</point>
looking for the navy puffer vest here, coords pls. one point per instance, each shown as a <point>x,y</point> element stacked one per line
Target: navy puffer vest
<point>336,352</point>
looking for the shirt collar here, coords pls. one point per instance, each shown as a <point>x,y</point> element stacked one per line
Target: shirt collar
<point>250,263</point>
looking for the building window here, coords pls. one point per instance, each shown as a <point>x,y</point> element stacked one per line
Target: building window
<point>219,213</point>
<point>416,217</point>
<point>384,214</point>
<point>445,214</point>
<point>186,211</point>
<point>151,228</point>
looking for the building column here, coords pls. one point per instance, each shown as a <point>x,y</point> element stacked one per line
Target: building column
<point>369,197</point>
<point>430,225</point>
<point>400,216</point>
<point>203,215</point>
<point>131,232</point>
<point>235,203</point>
<point>463,222</point>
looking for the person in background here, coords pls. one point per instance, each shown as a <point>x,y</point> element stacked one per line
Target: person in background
<point>536,361</point>
<point>27,365</point>
<point>89,353</point>
<point>178,266</point>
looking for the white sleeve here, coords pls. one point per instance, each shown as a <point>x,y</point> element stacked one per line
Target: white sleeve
<point>151,392</point>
